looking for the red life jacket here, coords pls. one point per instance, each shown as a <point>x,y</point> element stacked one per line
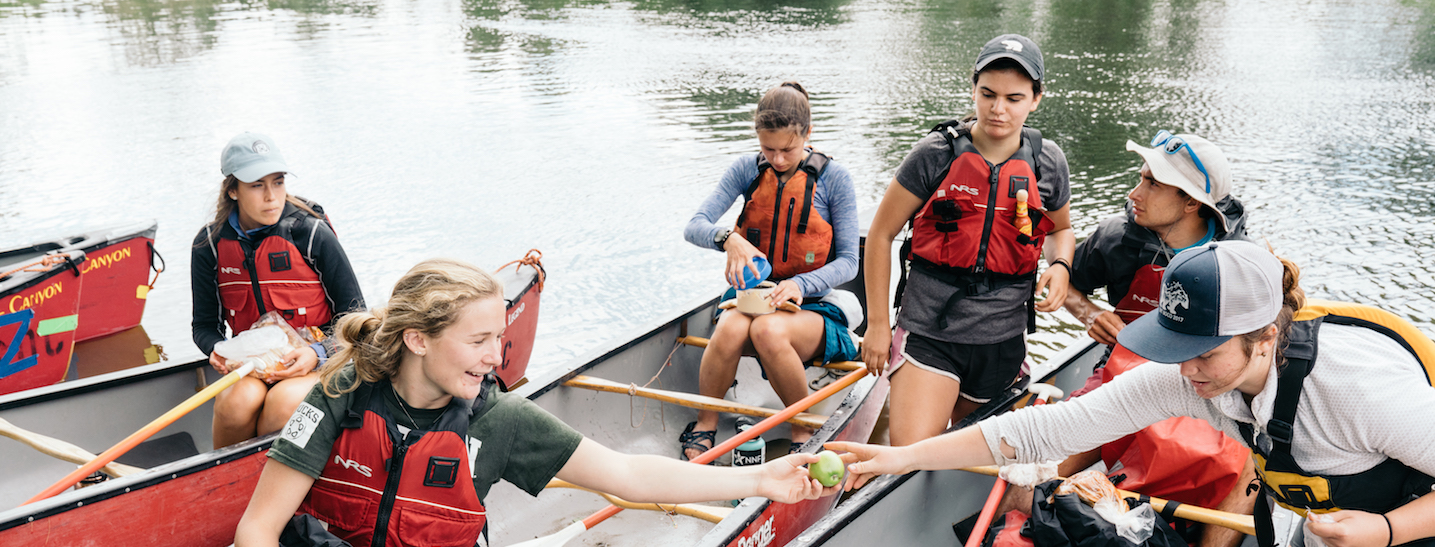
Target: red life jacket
<point>382,488</point>
<point>1182,459</point>
<point>769,210</point>
<point>967,227</point>
<point>272,275</point>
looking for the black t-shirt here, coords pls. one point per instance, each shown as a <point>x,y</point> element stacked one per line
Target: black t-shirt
<point>987,318</point>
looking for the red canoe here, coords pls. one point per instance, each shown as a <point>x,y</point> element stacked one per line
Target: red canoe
<point>39,314</point>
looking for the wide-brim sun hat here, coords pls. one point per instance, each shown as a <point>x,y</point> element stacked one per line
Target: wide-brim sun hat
<point>1209,294</point>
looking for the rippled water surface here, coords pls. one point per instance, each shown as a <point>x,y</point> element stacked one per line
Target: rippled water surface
<point>591,130</point>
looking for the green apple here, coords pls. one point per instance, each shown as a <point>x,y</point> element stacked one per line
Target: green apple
<point>828,468</point>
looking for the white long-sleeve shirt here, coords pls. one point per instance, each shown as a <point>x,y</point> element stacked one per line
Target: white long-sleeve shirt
<point>1366,399</point>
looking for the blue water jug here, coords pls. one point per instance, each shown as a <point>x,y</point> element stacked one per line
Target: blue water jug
<point>748,280</point>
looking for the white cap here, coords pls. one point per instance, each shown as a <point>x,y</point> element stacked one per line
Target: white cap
<point>1174,162</point>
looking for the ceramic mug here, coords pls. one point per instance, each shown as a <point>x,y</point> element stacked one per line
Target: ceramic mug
<point>754,301</point>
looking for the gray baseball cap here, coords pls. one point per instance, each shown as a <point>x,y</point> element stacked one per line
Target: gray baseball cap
<point>1016,47</point>
<point>250,157</point>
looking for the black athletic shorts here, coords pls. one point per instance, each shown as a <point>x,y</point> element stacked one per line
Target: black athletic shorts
<point>984,370</point>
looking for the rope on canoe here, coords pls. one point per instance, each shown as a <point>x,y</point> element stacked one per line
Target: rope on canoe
<point>533,258</point>
<point>41,264</point>
<point>633,392</point>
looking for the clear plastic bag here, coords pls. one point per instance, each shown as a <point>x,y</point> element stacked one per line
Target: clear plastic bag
<point>265,344</point>
<point>1312,540</point>
<point>1028,475</point>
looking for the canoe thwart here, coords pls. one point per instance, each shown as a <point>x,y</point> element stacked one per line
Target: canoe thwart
<point>691,400</point>
<point>708,513</point>
<point>63,450</point>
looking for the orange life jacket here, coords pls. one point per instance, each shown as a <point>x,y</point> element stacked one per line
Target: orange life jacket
<point>383,488</point>
<point>777,218</point>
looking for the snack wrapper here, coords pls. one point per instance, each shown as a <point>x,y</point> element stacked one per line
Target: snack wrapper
<point>265,344</point>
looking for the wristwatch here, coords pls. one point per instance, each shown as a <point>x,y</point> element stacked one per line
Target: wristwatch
<point>721,238</point>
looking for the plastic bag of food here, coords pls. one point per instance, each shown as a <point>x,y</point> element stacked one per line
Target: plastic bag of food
<point>1067,519</point>
<point>265,344</point>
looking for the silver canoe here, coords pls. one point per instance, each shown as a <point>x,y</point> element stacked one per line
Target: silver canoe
<point>921,508</point>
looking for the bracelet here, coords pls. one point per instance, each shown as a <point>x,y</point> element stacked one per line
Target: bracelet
<point>1061,262</point>
<point>1390,529</point>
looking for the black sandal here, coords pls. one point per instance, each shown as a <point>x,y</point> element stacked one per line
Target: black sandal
<point>694,440</point>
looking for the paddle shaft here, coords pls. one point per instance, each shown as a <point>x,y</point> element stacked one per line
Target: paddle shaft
<point>57,448</point>
<point>1241,523</point>
<point>144,433</point>
<point>750,433</point>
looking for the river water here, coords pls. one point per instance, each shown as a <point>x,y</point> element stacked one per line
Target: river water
<point>591,130</point>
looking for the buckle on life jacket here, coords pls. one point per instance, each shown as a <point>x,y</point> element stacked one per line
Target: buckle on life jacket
<point>1280,431</point>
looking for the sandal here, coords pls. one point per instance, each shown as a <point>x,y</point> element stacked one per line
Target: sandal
<point>794,447</point>
<point>695,440</point>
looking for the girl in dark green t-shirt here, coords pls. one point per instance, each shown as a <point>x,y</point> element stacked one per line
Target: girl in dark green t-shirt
<point>419,365</point>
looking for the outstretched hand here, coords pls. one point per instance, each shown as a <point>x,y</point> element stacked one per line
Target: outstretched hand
<point>1350,529</point>
<point>786,480</point>
<point>866,461</point>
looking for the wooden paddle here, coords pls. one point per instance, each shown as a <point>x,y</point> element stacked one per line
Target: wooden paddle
<point>700,402</point>
<point>573,530</point>
<point>1041,393</point>
<point>144,433</point>
<point>704,512</point>
<point>57,448</point>
<point>1245,524</point>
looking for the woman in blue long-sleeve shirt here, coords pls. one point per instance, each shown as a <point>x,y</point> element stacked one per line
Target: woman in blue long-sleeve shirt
<point>800,214</point>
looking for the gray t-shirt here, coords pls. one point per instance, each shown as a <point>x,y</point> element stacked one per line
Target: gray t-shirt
<point>983,319</point>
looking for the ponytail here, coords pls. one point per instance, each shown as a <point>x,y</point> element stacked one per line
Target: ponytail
<point>1292,299</point>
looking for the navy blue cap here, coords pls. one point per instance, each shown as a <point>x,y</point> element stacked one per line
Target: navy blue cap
<point>1208,295</point>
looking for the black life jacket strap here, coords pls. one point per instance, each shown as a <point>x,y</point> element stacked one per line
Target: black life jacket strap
<point>1299,356</point>
<point>1265,528</point>
<point>815,165</point>
<point>951,130</point>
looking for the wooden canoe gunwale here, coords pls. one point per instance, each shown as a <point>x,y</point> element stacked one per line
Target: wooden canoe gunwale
<point>879,488</point>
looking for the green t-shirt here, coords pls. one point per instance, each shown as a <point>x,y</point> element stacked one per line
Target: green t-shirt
<point>522,443</point>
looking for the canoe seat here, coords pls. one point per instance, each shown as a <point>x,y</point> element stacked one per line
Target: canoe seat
<point>160,451</point>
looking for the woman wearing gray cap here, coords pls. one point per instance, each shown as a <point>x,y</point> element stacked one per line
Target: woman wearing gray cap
<point>968,299</point>
<point>266,250</point>
<point>1334,399</point>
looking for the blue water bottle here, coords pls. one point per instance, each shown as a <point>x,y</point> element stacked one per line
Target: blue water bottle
<point>764,268</point>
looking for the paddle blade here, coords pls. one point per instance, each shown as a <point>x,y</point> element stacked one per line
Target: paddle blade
<point>555,540</point>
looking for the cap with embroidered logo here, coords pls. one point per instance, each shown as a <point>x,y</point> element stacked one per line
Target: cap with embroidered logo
<point>1208,295</point>
<point>1015,47</point>
<point>250,157</point>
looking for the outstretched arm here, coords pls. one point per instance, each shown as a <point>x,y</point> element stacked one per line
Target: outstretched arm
<point>649,478</point>
<point>963,448</point>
